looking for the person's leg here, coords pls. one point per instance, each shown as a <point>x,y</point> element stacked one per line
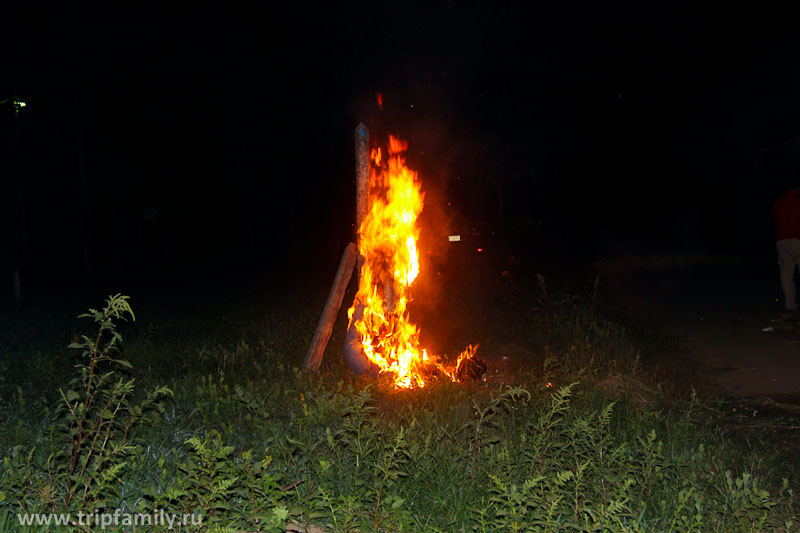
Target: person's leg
<point>796,254</point>
<point>787,263</point>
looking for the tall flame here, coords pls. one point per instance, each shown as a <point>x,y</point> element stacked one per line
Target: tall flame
<point>388,238</point>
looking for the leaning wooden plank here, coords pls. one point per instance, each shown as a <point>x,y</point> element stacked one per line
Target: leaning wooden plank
<point>332,306</point>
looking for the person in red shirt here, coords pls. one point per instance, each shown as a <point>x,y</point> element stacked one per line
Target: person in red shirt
<point>786,214</point>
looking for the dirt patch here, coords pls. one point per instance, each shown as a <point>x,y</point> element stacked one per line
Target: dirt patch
<point>730,321</point>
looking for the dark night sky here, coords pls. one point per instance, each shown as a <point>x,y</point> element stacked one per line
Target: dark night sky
<point>662,124</point>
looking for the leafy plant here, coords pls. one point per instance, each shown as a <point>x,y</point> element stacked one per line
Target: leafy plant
<point>96,419</point>
<point>221,488</point>
<point>98,413</point>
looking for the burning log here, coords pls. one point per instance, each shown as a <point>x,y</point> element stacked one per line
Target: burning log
<point>357,362</point>
<point>472,367</point>
<point>362,184</point>
<point>323,333</point>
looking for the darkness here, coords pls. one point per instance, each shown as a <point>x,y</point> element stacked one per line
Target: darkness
<point>164,143</point>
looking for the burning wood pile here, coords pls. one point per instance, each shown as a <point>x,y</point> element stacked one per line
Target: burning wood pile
<point>381,338</point>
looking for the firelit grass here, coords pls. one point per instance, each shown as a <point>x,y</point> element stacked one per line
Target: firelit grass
<point>247,442</point>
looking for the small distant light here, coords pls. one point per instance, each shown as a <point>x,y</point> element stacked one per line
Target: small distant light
<point>480,249</point>
<point>454,238</point>
<point>21,103</point>
<point>548,384</point>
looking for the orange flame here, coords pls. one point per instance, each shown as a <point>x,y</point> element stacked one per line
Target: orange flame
<point>388,239</point>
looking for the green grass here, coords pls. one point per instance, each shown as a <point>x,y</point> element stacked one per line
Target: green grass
<point>585,436</point>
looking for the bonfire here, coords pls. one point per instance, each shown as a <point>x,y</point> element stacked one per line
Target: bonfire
<point>381,338</point>
<point>387,242</point>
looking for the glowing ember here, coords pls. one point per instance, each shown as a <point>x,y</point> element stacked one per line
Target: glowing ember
<point>388,242</point>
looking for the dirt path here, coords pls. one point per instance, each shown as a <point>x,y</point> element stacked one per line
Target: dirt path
<point>720,312</point>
